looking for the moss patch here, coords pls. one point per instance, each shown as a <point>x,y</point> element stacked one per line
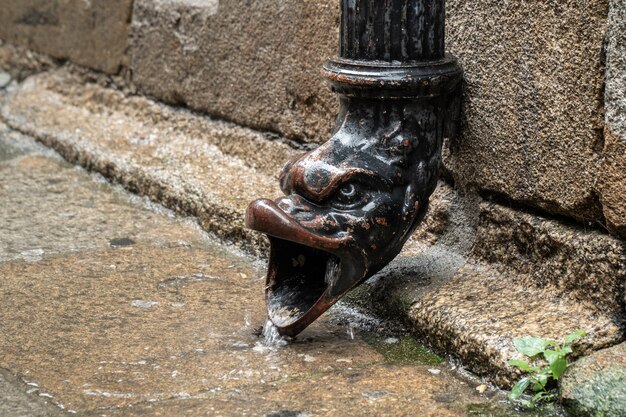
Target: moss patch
<point>405,351</point>
<point>508,410</point>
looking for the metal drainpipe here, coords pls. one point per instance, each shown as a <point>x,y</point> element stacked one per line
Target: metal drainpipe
<point>352,203</point>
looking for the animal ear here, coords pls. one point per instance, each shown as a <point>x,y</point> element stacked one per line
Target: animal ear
<point>411,203</point>
<point>399,141</point>
<point>412,211</point>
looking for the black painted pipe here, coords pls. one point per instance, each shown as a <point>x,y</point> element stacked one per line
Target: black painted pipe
<point>351,204</point>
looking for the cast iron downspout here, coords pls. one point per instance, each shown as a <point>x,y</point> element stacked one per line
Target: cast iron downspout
<point>352,203</point>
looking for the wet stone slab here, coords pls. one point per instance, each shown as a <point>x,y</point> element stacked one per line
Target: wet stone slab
<point>50,207</point>
<point>112,306</point>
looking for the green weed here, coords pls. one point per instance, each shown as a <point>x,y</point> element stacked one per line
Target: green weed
<point>539,378</point>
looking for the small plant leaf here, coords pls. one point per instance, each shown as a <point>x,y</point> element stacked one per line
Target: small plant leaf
<point>521,364</point>
<point>558,367</point>
<point>530,346</point>
<point>538,396</point>
<point>541,396</point>
<point>551,343</point>
<point>538,377</point>
<point>576,335</point>
<point>519,388</point>
<point>551,356</point>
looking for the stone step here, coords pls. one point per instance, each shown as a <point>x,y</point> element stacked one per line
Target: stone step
<point>474,311</point>
<point>480,311</point>
<point>212,169</point>
<point>209,169</point>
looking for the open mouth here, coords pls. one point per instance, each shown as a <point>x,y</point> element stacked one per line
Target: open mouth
<point>298,282</point>
<point>308,271</point>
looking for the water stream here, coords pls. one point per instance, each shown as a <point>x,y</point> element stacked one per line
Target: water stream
<point>271,337</point>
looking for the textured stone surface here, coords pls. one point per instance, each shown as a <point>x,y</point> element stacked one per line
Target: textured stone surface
<point>30,172</point>
<point>90,33</point>
<point>587,265</point>
<point>479,312</point>
<point>18,400</point>
<point>256,63</point>
<point>162,321</point>
<point>611,183</point>
<point>615,93</point>
<point>533,100</point>
<point>21,62</point>
<point>595,386</point>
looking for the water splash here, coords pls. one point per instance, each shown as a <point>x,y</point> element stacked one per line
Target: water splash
<point>271,337</point>
<point>350,331</point>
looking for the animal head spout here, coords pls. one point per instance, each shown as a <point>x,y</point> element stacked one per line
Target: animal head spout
<point>349,207</point>
<point>351,204</point>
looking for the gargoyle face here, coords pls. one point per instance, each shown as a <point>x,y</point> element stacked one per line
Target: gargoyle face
<point>349,207</point>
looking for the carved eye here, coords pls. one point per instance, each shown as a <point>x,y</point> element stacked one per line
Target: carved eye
<point>349,194</point>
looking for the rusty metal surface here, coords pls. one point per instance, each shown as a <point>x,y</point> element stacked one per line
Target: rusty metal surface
<point>351,204</point>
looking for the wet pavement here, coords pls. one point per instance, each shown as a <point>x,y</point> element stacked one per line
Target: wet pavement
<point>113,306</point>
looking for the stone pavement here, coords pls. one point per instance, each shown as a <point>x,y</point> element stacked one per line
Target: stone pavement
<point>114,306</point>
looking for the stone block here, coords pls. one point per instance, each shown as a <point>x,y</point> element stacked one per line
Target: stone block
<point>90,33</point>
<point>611,182</point>
<point>587,265</point>
<point>255,63</point>
<point>596,384</point>
<point>479,312</point>
<point>533,109</point>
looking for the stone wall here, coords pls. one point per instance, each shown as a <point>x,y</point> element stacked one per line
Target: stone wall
<point>612,178</point>
<point>534,120</point>
<point>534,72</point>
<point>256,63</point>
<point>91,33</point>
